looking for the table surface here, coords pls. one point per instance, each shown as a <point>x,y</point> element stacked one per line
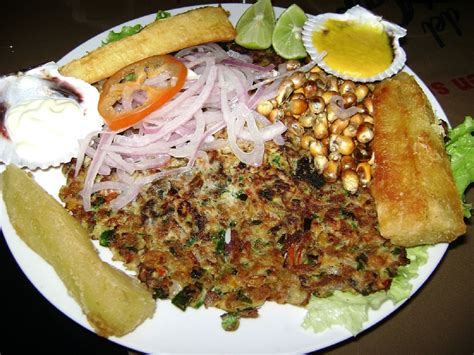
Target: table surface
<point>440,49</point>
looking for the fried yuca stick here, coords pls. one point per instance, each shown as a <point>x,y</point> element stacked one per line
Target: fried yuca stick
<point>113,302</point>
<point>202,25</point>
<point>413,186</point>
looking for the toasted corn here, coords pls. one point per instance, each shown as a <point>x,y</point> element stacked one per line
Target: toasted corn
<point>320,162</point>
<point>320,126</point>
<point>350,180</point>
<point>316,104</point>
<point>331,171</point>
<point>284,91</point>
<point>316,147</point>
<point>361,92</point>
<point>264,107</point>
<point>365,133</point>
<point>364,171</point>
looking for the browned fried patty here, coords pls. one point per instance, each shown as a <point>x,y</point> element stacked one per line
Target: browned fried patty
<point>289,235</point>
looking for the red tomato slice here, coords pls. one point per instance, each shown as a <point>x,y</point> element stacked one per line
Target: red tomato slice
<point>139,89</point>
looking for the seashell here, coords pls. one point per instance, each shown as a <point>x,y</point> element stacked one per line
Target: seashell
<point>360,16</point>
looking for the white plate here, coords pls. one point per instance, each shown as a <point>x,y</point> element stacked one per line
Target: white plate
<point>277,329</point>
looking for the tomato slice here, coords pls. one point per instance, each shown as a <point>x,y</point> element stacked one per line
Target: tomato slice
<point>139,89</point>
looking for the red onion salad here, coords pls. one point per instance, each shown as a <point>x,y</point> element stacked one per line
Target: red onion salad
<point>222,95</point>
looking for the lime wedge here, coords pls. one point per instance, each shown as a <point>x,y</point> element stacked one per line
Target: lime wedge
<point>287,40</point>
<point>255,26</point>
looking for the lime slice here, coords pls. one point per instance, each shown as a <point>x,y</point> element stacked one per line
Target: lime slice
<point>255,26</point>
<point>287,40</point>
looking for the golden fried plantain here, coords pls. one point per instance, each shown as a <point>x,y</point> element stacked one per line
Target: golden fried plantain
<point>113,302</point>
<point>202,25</point>
<point>413,186</point>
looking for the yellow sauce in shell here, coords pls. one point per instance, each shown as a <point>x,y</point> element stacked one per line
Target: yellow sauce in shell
<point>353,48</point>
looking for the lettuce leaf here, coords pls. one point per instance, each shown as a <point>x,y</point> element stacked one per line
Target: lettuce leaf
<point>162,14</point>
<point>131,30</point>
<point>460,148</point>
<point>124,32</point>
<point>351,310</point>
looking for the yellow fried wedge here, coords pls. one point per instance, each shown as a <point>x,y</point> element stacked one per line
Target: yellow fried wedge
<point>413,186</point>
<point>113,302</point>
<point>202,25</point>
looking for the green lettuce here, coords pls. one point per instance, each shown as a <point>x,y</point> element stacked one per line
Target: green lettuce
<point>131,30</point>
<point>124,32</point>
<point>460,148</point>
<point>162,14</point>
<point>351,310</point>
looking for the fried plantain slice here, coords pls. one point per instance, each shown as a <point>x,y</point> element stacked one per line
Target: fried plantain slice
<point>202,25</point>
<point>113,302</point>
<point>413,187</point>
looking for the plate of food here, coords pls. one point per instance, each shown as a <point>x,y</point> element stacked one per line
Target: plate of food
<point>253,203</point>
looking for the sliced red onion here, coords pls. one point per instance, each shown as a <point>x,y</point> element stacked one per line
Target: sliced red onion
<point>83,145</point>
<point>125,197</point>
<point>239,56</point>
<point>268,132</point>
<point>160,80</point>
<point>106,138</point>
<point>337,105</point>
<point>190,148</point>
<point>185,126</point>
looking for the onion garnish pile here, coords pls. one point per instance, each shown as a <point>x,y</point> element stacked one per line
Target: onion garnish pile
<point>223,95</point>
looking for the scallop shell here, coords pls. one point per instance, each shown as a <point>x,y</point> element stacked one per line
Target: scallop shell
<point>358,14</point>
<point>13,92</point>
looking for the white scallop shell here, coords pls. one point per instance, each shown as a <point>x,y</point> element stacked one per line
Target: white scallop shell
<point>358,14</point>
<point>14,91</point>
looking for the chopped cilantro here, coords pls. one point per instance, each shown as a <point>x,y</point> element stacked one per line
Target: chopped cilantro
<point>160,293</point>
<point>105,236</point>
<point>219,240</point>
<point>184,297</point>
<point>241,296</point>
<point>353,224</point>
<point>98,201</point>
<point>275,160</point>
<point>361,260</point>
<point>191,240</point>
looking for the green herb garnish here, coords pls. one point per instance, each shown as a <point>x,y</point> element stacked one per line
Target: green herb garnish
<point>105,236</point>
<point>124,32</point>
<point>160,15</point>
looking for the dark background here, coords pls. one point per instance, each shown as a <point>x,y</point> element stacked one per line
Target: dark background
<point>440,49</point>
